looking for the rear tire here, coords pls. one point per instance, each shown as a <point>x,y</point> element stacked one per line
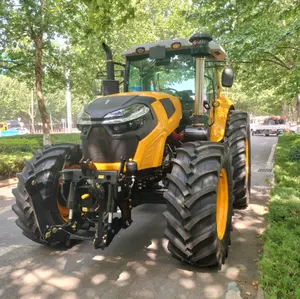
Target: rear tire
<point>191,215</point>
<point>44,167</point>
<point>238,134</point>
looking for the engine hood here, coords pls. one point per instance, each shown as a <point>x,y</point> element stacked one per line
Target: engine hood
<point>104,105</point>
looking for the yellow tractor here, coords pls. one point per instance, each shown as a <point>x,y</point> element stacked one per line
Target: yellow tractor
<point>170,138</point>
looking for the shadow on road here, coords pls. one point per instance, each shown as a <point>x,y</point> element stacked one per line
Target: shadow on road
<point>136,265</point>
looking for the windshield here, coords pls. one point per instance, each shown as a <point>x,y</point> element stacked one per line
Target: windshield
<point>174,74</point>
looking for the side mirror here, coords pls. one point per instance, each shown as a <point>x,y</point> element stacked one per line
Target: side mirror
<point>227,77</point>
<point>105,87</point>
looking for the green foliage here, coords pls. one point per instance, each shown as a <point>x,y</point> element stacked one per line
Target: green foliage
<point>31,143</point>
<point>14,150</point>
<point>10,164</point>
<point>15,98</point>
<point>19,145</point>
<point>261,39</point>
<point>103,14</point>
<point>295,152</point>
<point>280,265</point>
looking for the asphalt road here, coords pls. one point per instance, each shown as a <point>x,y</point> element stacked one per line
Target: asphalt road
<point>137,263</point>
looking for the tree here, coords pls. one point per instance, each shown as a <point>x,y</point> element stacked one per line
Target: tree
<point>15,97</point>
<point>28,30</point>
<point>30,27</point>
<point>261,39</point>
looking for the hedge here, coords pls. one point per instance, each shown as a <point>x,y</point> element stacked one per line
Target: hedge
<point>15,149</point>
<point>31,143</point>
<point>280,264</point>
<point>10,164</point>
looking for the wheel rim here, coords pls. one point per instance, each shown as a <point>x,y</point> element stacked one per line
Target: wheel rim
<point>64,211</point>
<point>222,204</point>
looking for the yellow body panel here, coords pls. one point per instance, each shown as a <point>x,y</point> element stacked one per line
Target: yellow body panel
<point>150,150</point>
<point>217,130</point>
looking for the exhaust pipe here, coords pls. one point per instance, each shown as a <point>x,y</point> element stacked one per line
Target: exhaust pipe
<point>109,62</point>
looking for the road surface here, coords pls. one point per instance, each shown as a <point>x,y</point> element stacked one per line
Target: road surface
<point>137,263</point>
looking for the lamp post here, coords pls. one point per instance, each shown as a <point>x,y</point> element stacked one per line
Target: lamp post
<point>68,92</point>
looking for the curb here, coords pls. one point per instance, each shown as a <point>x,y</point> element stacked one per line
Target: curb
<point>8,182</point>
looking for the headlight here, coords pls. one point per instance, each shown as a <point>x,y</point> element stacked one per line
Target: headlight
<point>84,118</point>
<point>126,114</point>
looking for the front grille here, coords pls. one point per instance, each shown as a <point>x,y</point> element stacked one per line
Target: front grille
<point>100,146</point>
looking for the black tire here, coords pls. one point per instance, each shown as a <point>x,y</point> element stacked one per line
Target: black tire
<point>191,204</point>
<point>44,167</point>
<point>238,131</point>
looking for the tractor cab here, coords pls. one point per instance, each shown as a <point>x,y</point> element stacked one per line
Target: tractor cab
<point>169,66</point>
<point>187,69</point>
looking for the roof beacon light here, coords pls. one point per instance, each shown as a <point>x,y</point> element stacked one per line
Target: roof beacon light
<point>176,45</point>
<point>140,50</point>
<point>200,43</point>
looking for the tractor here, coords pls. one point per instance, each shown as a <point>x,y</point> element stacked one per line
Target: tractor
<point>170,137</point>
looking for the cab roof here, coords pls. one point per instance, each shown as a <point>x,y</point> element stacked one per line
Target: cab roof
<point>216,50</point>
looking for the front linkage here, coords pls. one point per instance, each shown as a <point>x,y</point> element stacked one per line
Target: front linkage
<point>92,197</point>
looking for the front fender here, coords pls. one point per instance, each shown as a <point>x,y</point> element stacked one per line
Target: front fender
<point>217,130</point>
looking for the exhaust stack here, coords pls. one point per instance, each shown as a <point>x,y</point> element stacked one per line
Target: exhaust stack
<point>109,62</point>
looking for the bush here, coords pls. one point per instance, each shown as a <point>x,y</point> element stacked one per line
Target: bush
<point>19,145</point>
<point>14,150</point>
<point>294,155</point>
<point>31,143</point>
<point>10,164</point>
<point>280,265</point>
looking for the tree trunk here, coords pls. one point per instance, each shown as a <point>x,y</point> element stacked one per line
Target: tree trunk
<point>39,90</point>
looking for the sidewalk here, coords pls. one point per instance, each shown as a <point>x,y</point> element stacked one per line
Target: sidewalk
<point>7,182</point>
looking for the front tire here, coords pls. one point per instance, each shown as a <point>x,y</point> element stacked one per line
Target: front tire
<point>42,170</point>
<point>199,204</point>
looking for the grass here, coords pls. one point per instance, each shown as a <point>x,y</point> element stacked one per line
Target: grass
<point>280,264</point>
<point>16,149</point>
